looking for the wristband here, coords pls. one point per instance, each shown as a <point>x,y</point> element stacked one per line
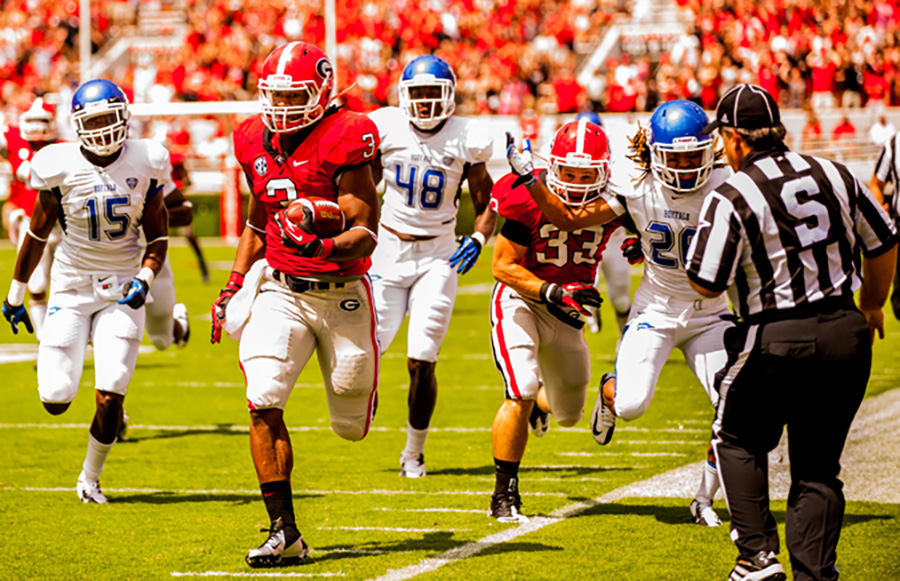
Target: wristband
<point>16,295</point>
<point>326,248</point>
<point>147,275</point>
<point>236,279</point>
<point>35,236</point>
<point>548,290</point>
<point>479,238</point>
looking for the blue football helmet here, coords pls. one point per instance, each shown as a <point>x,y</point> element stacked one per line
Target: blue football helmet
<point>676,128</point>
<point>427,71</point>
<point>591,117</point>
<point>100,116</point>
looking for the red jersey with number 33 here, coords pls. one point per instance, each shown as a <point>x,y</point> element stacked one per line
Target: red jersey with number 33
<point>340,141</point>
<point>552,254</point>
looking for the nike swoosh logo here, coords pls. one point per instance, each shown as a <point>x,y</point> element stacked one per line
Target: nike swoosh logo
<point>299,163</point>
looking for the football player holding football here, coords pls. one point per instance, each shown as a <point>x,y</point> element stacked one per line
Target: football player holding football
<point>104,191</point>
<point>315,294</point>
<point>425,156</point>
<point>675,168</point>
<point>545,282</point>
<point>36,129</point>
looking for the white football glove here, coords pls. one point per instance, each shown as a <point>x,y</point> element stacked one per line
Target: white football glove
<point>520,165</point>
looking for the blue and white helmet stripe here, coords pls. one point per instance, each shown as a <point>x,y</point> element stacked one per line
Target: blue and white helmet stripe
<point>95,99</point>
<point>677,127</point>
<point>428,71</point>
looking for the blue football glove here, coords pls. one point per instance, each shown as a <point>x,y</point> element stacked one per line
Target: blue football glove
<point>136,295</point>
<point>16,315</point>
<point>465,256</point>
<point>518,163</point>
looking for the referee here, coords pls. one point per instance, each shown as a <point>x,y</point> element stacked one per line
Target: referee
<point>886,172</point>
<point>784,236</point>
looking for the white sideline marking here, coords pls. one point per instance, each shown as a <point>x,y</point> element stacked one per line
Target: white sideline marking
<point>255,492</point>
<point>393,529</point>
<point>454,510</point>
<point>261,574</point>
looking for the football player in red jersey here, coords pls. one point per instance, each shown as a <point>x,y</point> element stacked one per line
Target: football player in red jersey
<point>544,284</point>
<point>36,130</point>
<point>314,296</point>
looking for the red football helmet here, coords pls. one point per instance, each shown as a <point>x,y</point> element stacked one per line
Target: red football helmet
<point>579,146</point>
<point>295,87</point>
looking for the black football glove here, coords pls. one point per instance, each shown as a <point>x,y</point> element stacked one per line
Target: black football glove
<point>631,250</point>
<point>16,315</point>
<point>136,293</point>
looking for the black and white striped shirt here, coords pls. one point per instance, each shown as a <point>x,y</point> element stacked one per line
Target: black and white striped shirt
<point>787,230</point>
<point>887,170</point>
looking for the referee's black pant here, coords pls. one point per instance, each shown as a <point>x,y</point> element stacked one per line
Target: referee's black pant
<point>808,370</point>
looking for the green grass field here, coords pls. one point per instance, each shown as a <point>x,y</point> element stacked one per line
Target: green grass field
<point>184,497</point>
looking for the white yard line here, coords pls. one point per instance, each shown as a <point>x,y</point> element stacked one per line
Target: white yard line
<point>453,510</point>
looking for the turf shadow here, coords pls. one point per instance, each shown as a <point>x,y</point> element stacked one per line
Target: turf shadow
<point>176,498</point>
<point>436,542</point>
<point>220,430</point>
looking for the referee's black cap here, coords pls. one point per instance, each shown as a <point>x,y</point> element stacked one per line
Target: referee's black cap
<point>746,107</point>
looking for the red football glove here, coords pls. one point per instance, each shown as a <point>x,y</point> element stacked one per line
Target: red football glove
<point>575,295</point>
<point>299,239</point>
<point>235,282</point>
<point>631,250</point>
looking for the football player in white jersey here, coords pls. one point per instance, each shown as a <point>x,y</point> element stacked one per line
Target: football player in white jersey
<point>103,191</point>
<point>676,168</point>
<point>425,156</point>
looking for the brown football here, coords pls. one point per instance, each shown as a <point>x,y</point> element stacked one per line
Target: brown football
<point>324,218</point>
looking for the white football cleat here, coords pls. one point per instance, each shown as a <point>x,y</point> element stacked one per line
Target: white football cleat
<point>180,314</point>
<point>89,491</point>
<point>603,420</point>
<point>703,514</point>
<point>412,466</point>
<point>274,553</point>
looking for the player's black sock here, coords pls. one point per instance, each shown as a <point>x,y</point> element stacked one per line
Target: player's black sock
<point>279,504</point>
<point>505,472</point>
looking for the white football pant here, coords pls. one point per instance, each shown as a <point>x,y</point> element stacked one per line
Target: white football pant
<point>160,322</point>
<point>75,317</point>
<point>658,325</point>
<point>532,347</point>
<point>414,277</point>
<point>339,325</point>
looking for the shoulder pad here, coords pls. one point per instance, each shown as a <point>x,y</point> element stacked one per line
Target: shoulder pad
<point>513,201</point>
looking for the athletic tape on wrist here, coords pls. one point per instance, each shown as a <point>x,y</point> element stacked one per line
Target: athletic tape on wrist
<point>479,238</point>
<point>255,228</point>
<point>16,295</point>
<point>147,275</point>
<point>327,248</point>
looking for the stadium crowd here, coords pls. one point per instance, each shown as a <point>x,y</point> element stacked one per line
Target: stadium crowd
<point>509,56</point>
